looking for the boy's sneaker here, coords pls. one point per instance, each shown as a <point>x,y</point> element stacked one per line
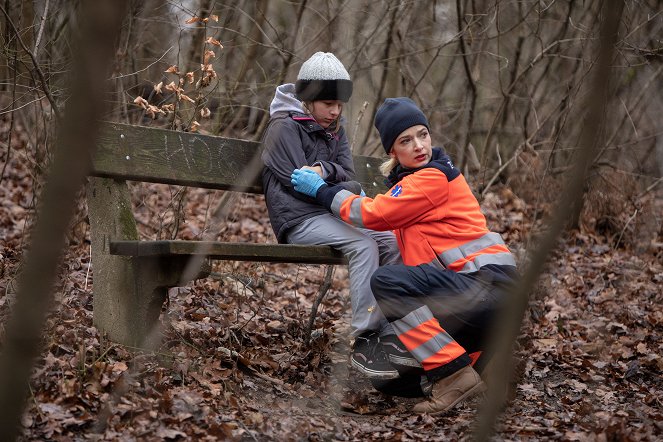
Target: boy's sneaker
<point>398,355</point>
<point>369,358</point>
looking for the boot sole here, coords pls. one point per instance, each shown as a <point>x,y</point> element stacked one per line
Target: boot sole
<point>404,361</point>
<point>385,375</point>
<point>478,388</point>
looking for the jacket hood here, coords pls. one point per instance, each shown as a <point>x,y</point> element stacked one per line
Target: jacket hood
<point>439,159</point>
<point>285,101</point>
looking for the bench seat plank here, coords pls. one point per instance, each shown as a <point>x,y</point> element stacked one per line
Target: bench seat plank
<point>285,253</point>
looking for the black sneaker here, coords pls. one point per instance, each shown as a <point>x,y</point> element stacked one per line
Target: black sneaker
<point>399,356</point>
<point>369,358</point>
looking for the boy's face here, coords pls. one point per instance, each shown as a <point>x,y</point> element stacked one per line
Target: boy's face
<point>326,112</point>
<point>412,147</point>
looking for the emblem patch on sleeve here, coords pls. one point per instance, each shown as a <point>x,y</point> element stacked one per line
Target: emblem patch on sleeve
<point>396,191</point>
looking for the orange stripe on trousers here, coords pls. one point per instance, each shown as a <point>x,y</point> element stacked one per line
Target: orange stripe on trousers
<point>423,333</point>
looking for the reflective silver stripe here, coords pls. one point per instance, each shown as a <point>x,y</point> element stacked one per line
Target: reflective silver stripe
<point>411,321</point>
<point>504,259</point>
<point>487,240</point>
<point>448,257</point>
<point>469,267</point>
<point>338,201</point>
<point>355,213</point>
<point>431,347</point>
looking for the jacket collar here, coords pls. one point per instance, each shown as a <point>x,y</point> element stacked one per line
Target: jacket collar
<point>309,124</point>
<point>438,158</point>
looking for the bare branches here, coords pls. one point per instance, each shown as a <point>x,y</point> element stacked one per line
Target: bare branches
<point>35,63</point>
<point>117,77</point>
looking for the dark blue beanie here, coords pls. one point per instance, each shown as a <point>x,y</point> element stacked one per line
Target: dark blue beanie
<point>394,116</point>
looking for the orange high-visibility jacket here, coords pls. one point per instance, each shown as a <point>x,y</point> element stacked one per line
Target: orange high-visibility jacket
<point>433,213</point>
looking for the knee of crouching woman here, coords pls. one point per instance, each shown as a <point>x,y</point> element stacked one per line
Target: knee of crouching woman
<point>381,281</point>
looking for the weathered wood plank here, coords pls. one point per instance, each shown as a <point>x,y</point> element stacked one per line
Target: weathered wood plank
<point>164,156</point>
<point>285,253</point>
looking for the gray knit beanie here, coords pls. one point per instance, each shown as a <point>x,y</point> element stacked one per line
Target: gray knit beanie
<point>394,116</point>
<point>323,77</point>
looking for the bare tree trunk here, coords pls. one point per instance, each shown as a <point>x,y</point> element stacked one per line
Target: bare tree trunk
<point>388,65</point>
<point>194,56</point>
<point>471,100</point>
<point>247,63</point>
<point>34,299</point>
<point>287,62</point>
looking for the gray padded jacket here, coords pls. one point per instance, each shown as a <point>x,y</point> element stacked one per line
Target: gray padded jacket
<point>294,139</point>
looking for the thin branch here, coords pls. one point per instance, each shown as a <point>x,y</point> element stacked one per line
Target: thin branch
<point>650,188</point>
<point>14,109</point>
<point>621,234</point>
<point>324,288</point>
<point>11,122</point>
<point>144,69</point>
<point>360,116</point>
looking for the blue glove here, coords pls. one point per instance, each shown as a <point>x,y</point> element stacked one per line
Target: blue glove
<point>306,181</point>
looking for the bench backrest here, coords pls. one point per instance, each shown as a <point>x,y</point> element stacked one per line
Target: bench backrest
<point>139,153</point>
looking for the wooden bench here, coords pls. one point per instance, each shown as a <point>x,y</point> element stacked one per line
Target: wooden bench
<point>132,276</point>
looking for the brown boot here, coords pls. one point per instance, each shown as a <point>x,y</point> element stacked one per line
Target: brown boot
<point>449,391</point>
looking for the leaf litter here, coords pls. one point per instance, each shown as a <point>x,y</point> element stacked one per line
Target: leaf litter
<point>232,362</point>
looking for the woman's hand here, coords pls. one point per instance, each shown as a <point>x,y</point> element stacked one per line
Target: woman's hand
<point>306,181</point>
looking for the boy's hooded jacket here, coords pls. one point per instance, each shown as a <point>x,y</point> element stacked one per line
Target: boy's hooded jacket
<point>294,139</point>
<point>433,213</point>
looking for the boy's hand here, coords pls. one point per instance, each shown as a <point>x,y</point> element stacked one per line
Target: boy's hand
<point>316,169</point>
<point>306,181</point>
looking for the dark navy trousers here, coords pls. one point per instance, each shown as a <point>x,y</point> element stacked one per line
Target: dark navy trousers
<point>466,305</point>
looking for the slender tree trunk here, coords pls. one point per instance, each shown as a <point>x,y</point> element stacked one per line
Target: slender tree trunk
<point>593,119</point>
<point>76,136</point>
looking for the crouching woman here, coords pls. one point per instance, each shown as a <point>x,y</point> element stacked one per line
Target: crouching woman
<point>443,299</point>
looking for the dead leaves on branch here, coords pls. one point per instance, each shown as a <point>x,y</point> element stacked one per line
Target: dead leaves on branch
<point>196,19</point>
<point>200,81</point>
<point>213,41</point>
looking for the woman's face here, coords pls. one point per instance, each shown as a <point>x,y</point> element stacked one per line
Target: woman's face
<point>326,112</point>
<point>412,147</point>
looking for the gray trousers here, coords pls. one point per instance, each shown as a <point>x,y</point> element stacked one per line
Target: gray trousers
<point>366,250</point>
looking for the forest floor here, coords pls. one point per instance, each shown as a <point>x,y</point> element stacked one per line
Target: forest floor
<point>231,363</point>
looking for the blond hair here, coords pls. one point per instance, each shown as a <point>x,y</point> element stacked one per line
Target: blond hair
<point>388,166</point>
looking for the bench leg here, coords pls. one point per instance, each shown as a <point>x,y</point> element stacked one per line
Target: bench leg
<point>128,291</point>
<point>127,299</point>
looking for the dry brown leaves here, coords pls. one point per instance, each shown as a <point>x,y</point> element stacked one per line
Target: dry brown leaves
<point>232,363</point>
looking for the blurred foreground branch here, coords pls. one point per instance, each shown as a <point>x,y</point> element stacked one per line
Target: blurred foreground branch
<point>99,26</point>
<point>511,323</point>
